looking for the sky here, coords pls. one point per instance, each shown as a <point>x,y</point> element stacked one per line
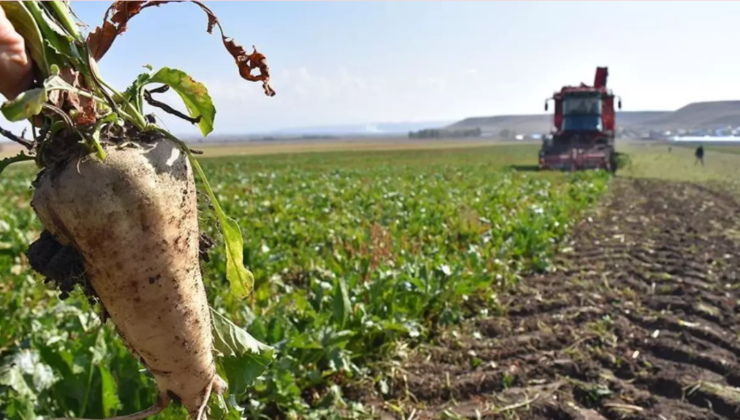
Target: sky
<point>393,61</point>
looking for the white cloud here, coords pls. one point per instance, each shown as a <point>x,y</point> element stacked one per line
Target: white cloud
<point>307,96</point>
<point>435,83</point>
<point>304,97</point>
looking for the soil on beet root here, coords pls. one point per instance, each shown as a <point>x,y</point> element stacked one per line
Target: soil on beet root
<point>63,266</point>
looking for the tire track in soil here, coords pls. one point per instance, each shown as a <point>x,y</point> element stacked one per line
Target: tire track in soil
<point>639,321</point>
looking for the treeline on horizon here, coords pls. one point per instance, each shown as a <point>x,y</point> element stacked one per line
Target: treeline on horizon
<point>439,133</point>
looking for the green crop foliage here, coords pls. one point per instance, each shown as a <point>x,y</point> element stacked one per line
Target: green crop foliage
<point>354,256</point>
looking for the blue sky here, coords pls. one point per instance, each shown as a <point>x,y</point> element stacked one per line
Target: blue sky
<point>383,61</point>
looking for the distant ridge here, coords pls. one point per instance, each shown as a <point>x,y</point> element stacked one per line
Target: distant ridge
<point>381,129</point>
<point>698,115</point>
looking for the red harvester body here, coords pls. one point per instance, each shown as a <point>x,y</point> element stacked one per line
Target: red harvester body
<point>584,133</point>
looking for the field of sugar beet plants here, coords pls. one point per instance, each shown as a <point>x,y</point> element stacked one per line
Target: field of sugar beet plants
<point>357,257</point>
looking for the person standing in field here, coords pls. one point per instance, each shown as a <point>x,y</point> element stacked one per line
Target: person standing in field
<point>699,155</point>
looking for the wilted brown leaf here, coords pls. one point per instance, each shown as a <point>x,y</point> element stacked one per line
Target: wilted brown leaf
<point>87,114</point>
<point>73,78</point>
<point>101,39</point>
<point>66,100</point>
<point>125,10</point>
<point>248,62</point>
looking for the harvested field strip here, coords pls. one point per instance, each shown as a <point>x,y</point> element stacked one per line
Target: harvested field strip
<point>639,321</point>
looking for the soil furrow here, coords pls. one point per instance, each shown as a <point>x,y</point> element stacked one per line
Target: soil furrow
<point>639,321</point>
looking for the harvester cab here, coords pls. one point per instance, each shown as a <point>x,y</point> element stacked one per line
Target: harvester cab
<point>584,127</point>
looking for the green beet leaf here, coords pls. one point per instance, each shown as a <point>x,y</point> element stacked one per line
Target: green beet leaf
<point>242,356</point>
<point>20,157</point>
<point>25,105</point>
<point>193,94</point>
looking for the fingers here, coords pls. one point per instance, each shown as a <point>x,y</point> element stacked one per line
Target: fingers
<point>15,65</point>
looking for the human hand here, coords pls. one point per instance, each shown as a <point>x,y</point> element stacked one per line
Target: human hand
<point>15,64</point>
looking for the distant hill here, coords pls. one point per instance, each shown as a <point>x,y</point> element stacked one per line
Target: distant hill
<point>541,123</point>
<point>631,119</point>
<point>535,123</point>
<point>698,115</point>
<point>369,129</point>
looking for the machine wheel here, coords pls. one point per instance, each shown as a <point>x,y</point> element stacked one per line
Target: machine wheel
<point>612,163</point>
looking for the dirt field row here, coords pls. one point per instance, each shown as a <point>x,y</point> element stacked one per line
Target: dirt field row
<point>639,322</point>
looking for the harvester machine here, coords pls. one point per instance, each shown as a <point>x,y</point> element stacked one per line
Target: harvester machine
<point>584,128</point>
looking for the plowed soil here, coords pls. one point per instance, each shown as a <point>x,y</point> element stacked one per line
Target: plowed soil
<point>639,321</point>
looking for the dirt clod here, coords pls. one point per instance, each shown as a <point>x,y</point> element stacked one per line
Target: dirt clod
<point>204,246</point>
<point>61,265</point>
